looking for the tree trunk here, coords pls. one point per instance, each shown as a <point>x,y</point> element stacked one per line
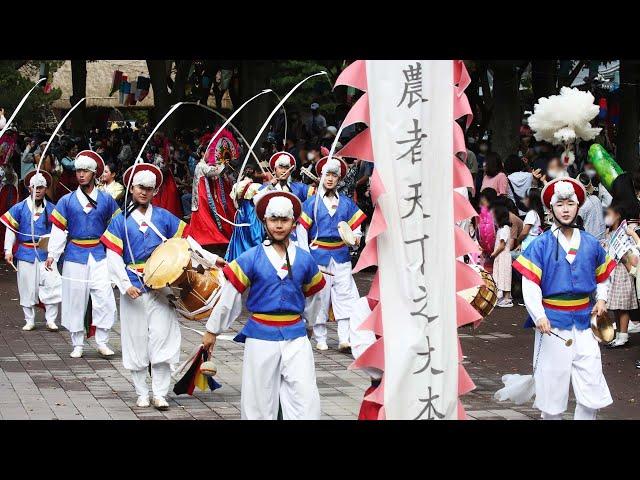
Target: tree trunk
<point>254,77</point>
<point>79,85</point>
<point>161,99</point>
<point>543,78</point>
<point>627,141</point>
<point>505,118</point>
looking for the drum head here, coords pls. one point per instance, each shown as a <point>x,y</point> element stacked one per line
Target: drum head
<point>346,234</point>
<point>167,263</point>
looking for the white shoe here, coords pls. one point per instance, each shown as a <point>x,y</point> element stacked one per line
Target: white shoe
<point>344,347</point>
<point>76,353</point>
<point>52,327</point>
<point>29,326</point>
<point>504,304</point>
<point>620,340</point>
<point>105,351</point>
<point>634,327</point>
<point>143,401</point>
<point>322,346</point>
<point>160,403</point>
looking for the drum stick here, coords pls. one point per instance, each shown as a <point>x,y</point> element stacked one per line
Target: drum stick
<point>13,266</point>
<point>325,272</point>
<point>568,342</point>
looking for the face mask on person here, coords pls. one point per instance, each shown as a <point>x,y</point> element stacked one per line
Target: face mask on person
<point>310,156</point>
<point>553,173</point>
<point>608,220</point>
<point>591,173</point>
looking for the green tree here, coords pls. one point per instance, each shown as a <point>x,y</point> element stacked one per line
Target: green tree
<point>15,82</point>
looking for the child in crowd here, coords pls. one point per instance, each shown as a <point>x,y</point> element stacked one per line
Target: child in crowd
<point>533,219</point>
<point>501,255</point>
<point>622,291</point>
<point>486,227</point>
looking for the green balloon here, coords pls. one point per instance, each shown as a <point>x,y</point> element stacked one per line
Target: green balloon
<point>606,167</point>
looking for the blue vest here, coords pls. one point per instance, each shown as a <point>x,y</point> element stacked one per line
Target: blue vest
<point>19,218</point>
<point>84,229</point>
<point>566,287</point>
<point>329,243</point>
<point>273,301</point>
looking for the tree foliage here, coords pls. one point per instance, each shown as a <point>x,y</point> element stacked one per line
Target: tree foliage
<point>318,89</point>
<point>15,82</point>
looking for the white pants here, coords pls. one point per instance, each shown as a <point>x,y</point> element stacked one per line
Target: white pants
<point>283,370</point>
<point>93,279</point>
<point>50,314</point>
<point>341,293</point>
<point>36,284</point>
<point>160,380</point>
<point>150,332</point>
<point>579,365</point>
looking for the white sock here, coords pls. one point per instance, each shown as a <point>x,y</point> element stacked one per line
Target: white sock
<point>548,416</point>
<point>139,378</point>
<point>320,332</point>
<point>102,336</point>
<point>584,413</point>
<point>160,379</point>
<point>343,330</point>
<point>29,315</point>
<point>51,312</point>
<point>77,338</point>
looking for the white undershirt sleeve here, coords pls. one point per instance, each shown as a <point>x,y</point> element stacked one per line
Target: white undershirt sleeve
<point>312,307</point>
<point>303,237</point>
<point>532,295</point>
<point>602,290</point>
<point>57,242</point>
<point>226,310</point>
<point>118,271</point>
<point>9,241</point>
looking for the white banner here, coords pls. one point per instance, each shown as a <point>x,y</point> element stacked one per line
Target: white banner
<point>411,111</point>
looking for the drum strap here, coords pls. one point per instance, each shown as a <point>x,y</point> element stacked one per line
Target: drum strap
<point>150,225</point>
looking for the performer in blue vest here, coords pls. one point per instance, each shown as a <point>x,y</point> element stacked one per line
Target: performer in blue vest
<point>150,332</point>
<point>282,282</point>
<point>282,164</point>
<point>79,220</point>
<point>28,223</point>
<point>318,232</point>
<point>562,270</point>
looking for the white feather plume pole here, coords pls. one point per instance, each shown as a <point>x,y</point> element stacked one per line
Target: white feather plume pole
<point>565,118</point>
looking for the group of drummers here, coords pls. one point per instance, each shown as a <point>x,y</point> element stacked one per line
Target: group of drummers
<point>290,280</point>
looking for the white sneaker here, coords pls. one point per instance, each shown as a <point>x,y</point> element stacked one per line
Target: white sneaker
<point>344,347</point>
<point>322,346</point>
<point>143,401</point>
<point>620,340</point>
<point>52,327</point>
<point>160,403</point>
<point>76,353</point>
<point>504,304</point>
<point>105,351</point>
<point>634,327</point>
<point>29,326</point>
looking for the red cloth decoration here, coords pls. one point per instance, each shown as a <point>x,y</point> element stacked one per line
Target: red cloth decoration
<point>167,196</point>
<point>203,228</point>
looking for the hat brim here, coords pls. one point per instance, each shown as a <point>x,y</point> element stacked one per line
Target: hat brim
<point>139,167</point>
<point>275,156</point>
<point>263,201</point>
<point>322,161</point>
<point>98,159</point>
<point>45,174</point>
<point>549,189</point>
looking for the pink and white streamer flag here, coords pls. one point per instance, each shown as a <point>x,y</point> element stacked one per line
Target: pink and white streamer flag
<point>411,117</point>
